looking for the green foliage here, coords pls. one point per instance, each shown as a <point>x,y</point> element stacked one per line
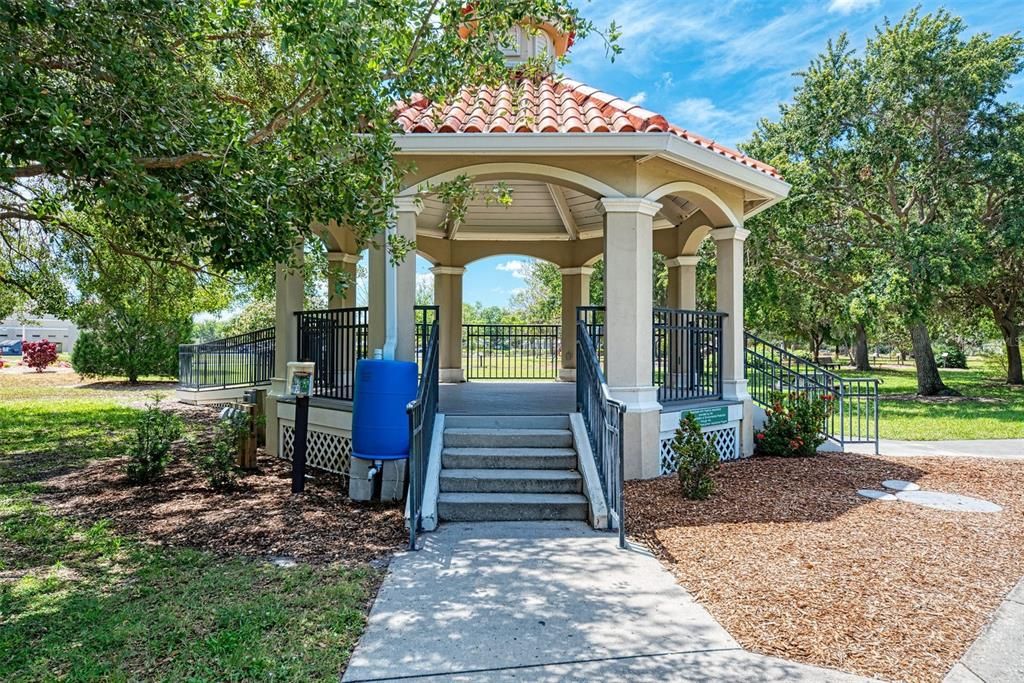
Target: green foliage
<point>794,424</point>
<point>149,451</point>
<point>210,134</point>
<point>894,162</point>
<point>216,459</point>
<point>694,459</point>
<point>953,358</point>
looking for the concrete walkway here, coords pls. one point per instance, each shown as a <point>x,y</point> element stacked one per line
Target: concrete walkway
<point>1012,449</point>
<point>997,656</point>
<point>547,601</point>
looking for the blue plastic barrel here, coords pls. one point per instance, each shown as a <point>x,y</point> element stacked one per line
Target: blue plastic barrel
<point>380,425</point>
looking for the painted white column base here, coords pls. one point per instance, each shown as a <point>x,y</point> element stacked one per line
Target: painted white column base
<point>361,488</point>
<point>641,431</point>
<point>451,375</point>
<point>277,390</point>
<point>736,390</point>
<point>567,375</point>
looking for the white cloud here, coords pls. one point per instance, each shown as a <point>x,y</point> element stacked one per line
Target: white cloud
<point>851,6</point>
<point>638,98</point>
<point>515,267</point>
<point>424,279</point>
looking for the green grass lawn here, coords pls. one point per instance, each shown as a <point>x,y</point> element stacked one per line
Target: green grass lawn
<point>990,409</point>
<point>80,602</point>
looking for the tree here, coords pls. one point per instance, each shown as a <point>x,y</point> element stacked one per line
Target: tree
<point>206,134</point>
<point>891,143</point>
<point>134,314</point>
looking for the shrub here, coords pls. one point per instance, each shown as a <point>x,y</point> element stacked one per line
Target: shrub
<point>217,460</point>
<point>954,358</point>
<point>150,450</point>
<point>39,355</point>
<point>794,424</point>
<point>695,459</point>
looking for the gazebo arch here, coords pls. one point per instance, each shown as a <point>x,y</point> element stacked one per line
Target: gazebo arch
<point>716,210</point>
<point>519,170</point>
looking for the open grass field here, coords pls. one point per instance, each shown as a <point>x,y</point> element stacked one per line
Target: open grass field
<point>86,598</point>
<point>988,409</point>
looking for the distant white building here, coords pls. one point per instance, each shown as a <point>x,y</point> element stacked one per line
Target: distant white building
<point>63,333</point>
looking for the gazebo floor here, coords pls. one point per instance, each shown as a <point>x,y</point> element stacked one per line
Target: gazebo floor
<point>508,398</point>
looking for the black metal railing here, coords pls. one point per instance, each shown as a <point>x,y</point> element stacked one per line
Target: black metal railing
<point>603,417</point>
<point>334,339</point>
<point>771,370</point>
<point>422,411</point>
<point>593,319</point>
<point>511,351</point>
<point>687,355</point>
<point>686,351</point>
<point>425,317</point>
<point>242,360</point>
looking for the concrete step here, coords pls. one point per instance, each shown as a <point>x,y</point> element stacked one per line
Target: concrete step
<point>509,458</point>
<point>483,437</point>
<point>508,421</point>
<point>499,507</point>
<point>511,481</point>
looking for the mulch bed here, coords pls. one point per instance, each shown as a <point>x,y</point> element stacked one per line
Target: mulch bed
<point>794,564</point>
<point>259,519</point>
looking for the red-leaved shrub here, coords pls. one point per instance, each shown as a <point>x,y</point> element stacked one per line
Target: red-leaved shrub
<point>39,355</point>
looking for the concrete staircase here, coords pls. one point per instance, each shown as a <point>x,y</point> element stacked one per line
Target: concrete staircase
<point>496,468</point>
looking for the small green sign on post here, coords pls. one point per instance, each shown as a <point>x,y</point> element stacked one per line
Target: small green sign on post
<point>711,415</point>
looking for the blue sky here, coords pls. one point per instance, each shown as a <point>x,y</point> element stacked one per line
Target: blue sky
<point>718,68</point>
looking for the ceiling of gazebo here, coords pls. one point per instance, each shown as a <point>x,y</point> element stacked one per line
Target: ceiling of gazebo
<point>539,212</point>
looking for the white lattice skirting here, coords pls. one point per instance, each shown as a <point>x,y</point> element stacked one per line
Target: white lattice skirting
<point>328,451</point>
<point>725,438</point>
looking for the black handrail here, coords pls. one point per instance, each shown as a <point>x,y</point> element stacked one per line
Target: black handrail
<point>603,417</point>
<point>241,360</point>
<point>771,370</point>
<point>422,411</point>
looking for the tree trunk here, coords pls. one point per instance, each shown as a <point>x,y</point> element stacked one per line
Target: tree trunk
<point>861,357</point>
<point>815,346</point>
<point>1011,337</point>
<point>929,382</point>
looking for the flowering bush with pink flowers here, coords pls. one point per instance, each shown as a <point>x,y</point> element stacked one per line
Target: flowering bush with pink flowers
<point>794,424</point>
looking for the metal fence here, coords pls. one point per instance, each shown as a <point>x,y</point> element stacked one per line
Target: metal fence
<point>687,355</point>
<point>241,360</point>
<point>603,417</point>
<point>686,351</point>
<point>511,351</point>
<point>771,370</point>
<point>422,412</point>
<point>425,317</point>
<point>334,339</point>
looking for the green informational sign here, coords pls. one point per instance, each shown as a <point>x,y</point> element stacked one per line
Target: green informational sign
<point>710,416</point>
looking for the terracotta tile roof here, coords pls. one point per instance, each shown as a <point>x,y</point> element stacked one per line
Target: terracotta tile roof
<point>551,106</point>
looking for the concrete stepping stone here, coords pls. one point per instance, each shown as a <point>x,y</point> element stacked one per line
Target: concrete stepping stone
<point>876,495</point>
<point>950,502</point>
<point>900,485</point>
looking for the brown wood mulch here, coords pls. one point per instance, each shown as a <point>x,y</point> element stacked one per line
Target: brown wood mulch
<point>260,518</point>
<point>794,564</point>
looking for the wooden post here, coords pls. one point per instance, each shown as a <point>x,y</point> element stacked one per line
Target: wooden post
<point>299,448</point>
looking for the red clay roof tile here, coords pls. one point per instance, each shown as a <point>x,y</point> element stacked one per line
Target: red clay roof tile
<point>551,106</point>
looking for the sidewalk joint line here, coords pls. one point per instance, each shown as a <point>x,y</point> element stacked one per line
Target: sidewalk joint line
<point>515,667</point>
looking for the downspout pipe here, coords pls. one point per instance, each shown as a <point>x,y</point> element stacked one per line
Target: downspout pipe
<point>390,291</point>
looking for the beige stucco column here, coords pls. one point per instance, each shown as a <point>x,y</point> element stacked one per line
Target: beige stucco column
<point>406,210</point>
<point>682,282</point>
<point>341,267</point>
<point>729,293</point>
<point>628,245</point>
<point>575,292</point>
<point>290,297</point>
<point>448,299</point>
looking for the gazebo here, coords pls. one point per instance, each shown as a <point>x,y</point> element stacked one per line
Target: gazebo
<point>592,176</point>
